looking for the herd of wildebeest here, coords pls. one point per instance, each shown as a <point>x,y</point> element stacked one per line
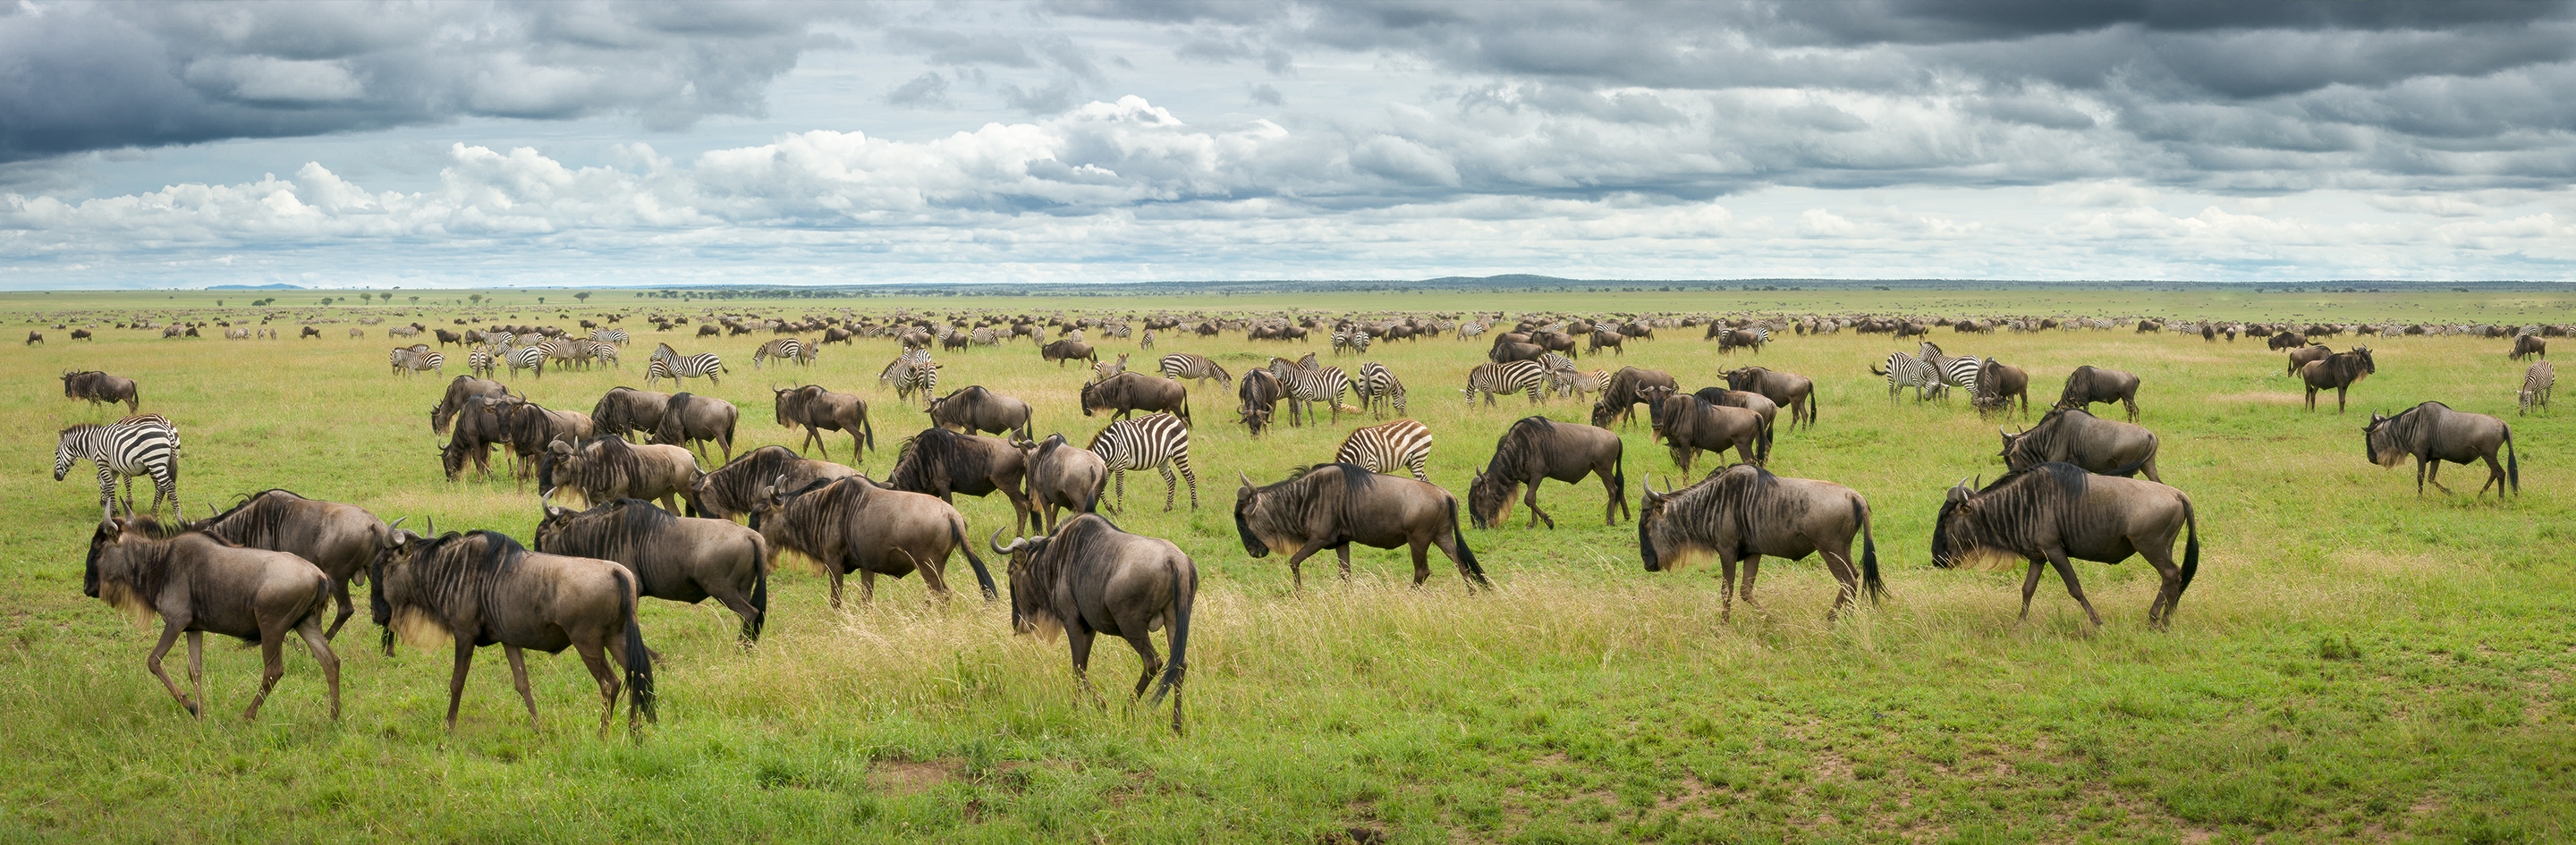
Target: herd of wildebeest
<point>658,525</point>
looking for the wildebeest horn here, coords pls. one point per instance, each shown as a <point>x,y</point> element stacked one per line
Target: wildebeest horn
<point>398,521</point>
<point>1963,482</point>
<point>1247,480</point>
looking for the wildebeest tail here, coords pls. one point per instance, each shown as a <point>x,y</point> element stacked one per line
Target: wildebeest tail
<point>1183,595</point>
<point>983,577</point>
<point>1868,553</point>
<point>2512,467</point>
<point>1466,556</point>
<point>870,429</point>
<point>1811,407</point>
<point>2190,547</point>
<point>639,660</point>
<point>759,591</point>
<point>1765,455</point>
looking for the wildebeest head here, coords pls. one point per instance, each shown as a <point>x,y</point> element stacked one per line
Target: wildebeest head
<point>1255,507</point>
<point>2383,440</point>
<point>1953,531</point>
<point>1033,574</point>
<point>1489,499</point>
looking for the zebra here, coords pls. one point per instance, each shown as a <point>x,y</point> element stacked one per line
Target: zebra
<point>525,358</point>
<point>1183,365</point>
<point>612,336</point>
<point>140,445</point>
<point>409,361</point>
<point>1470,329</point>
<point>1514,377</point>
<point>1955,371</point>
<point>603,351</point>
<point>1577,384</point>
<point>1381,448</point>
<point>669,363</point>
<point>1378,388</point>
<point>1311,384</point>
<point>1905,371</point>
<point>1118,330</point>
<point>1155,440</point>
<point>2538,381</point>
<point>986,336</point>
<point>784,349</point>
<point>556,349</point>
<point>479,361</point>
<point>1148,341</point>
<point>1102,370</point>
<point>1553,362</point>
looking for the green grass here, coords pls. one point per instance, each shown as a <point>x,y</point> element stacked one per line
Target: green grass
<point>2354,663</point>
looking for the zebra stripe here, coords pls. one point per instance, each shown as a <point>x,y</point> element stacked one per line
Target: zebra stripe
<point>615,336</point>
<point>1378,388</point>
<point>2538,381</point>
<point>784,349</point>
<point>141,445</point>
<point>1155,440</point>
<point>675,366</point>
<point>524,358</point>
<point>1513,377</point>
<point>603,351</point>
<point>1317,384</point>
<point>1905,371</point>
<point>479,361</point>
<point>1183,365</point>
<point>1381,448</point>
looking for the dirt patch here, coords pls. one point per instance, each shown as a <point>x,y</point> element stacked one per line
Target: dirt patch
<point>913,777</point>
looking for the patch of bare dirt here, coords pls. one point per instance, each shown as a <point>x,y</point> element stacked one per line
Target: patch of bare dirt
<point>913,777</point>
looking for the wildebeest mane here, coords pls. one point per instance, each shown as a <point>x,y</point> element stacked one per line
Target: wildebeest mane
<point>2398,437</point>
<point>611,414</point>
<point>258,523</point>
<point>614,530</point>
<point>1519,447</point>
<point>2009,509</point>
<point>675,426</point>
<point>926,462</point>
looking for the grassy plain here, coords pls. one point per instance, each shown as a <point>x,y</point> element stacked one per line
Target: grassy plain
<point>2353,664</point>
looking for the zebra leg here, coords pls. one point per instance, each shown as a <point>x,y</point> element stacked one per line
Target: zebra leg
<point>1172,486</point>
<point>1190,475</point>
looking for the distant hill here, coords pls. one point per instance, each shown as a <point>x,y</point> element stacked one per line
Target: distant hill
<point>274,286</point>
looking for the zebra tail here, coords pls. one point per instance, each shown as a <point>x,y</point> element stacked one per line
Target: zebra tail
<point>1874,370</point>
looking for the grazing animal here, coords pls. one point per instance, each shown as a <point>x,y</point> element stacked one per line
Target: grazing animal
<point>1378,388</point>
<point>1604,337</point>
<point>1060,476</point>
<point>2339,371</point>
<point>736,488</point>
<point>1183,365</point>
<point>1505,378</point>
<point>1537,449</point>
<point>820,410</point>
<point>530,358</point>
<point>1090,578</point>
<point>1306,382</point>
<point>1382,448</point>
<point>1334,505</point>
<point>692,420</point>
<point>1068,350</point>
<point>531,426</point>
<point>1128,393</point>
<point>1103,370</point>
<point>1744,512</point>
<point>2524,346</point>
<point>481,587</point>
<point>1787,390</point>
<point>2070,435</point>
<point>1687,424</point>
<point>2299,357</point>
<point>941,463</point>
<point>669,363</point>
<point>1904,371</point>
<point>674,558</point>
<point>2090,384</point>
<point>1259,394</point>
<point>623,411</point>
<point>1158,441</point>
<point>975,409</point>
<point>309,331</point>
<point>133,446</point>
<point>1627,388</point>
<point>2538,381</point>
<point>849,525</point>
<point>2432,433</point>
<point>199,584</point>
<point>605,469</point>
<point>1997,384</point>
<point>478,361</point>
<point>459,389</point>
<point>784,349</point>
<point>1748,400</point>
<point>341,540</point>
<point>2054,512</point>
<point>103,389</point>
<point>34,337</point>
<point>479,425</point>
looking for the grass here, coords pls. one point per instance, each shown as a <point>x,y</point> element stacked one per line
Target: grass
<point>2353,664</point>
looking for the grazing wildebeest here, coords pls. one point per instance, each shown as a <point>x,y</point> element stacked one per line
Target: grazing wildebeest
<point>1788,390</point>
<point>339,539</point>
<point>2090,384</point>
<point>103,389</point>
<point>941,463</point>
<point>2070,435</point>
<point>1627,388</point>
<point>1997,384</point>
<point>820,410</point>
<point>625,410</point>
<point>1331,506</point>
<point>692,420</point>
<point>2432,433</point>
<point>481,587</point>
<point>605,469</point>
<point>1744,512</point>
<point>1089,579</point>
<point>2299,357</point>
<point>34,337</point>
<point>1061,476</point>
<point>1740,338</point>
<point>2339,371</point>
<point>443,414</point>
<point>81,334</point>
<point>531,426</point>
<point>474,433</point>
<point>1537,449</point>
<point>975,409</point>
<point>1602,338</point>
<point>850,525</point>
<point>1128,393</point>
<point>1687,424</point>
<point>2525,346</point>
<point>1748,400</point>
<point>1068,350</point>
<point>2054,511</point>
<point>2538,381</point>
<point>735,488</point>
<point>1260,394</point>
<point>309,331</point>
<point>674,558</point>
<point>2286,340</point>
<point>199,584</point>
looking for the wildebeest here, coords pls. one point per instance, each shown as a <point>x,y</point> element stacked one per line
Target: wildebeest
<point>2286,340</point>
<point>1788,390</point>
<point>35,337</point>
<point>1604,337</point>
<point>1744,512</point>
<point>2090,384</point>
<point>1260,393</point>
<point>1061,476</point>
<point>474,432</point>
<point>850,525</point>
<point>531,426</point>
<point>975,409</point>
<point>625,410</point>
<point>309,331</point>
<point>2525,346</point>
<point>103,389</point>
<point>1331,506</point>
<point>734,489</point>
<point>443,414</point>
<point>2432,433</point>
<point>1627,388</point>
<point>2299,357</point>
<point>1128,393</point>
<point>1068,350</point>
<point>1997,384</point>
<point>199,584</point>
<point>605,469</point>
<point>1090,578</point>
<point>81,334</point>
<point>1687,424</point>
<point>820,410</point>
<point>674,558</point>
<point>1537,449</point>
<point>1505,352</point>
<point>2070,435</point>
<point>692,420</point>
<point>1739,338</point>
<point>942,463</point>
<point>481,587</point>
<point>341,540</point>
<point>2339,371</point>
<point>1759,404</point>
<point>2055,511</point>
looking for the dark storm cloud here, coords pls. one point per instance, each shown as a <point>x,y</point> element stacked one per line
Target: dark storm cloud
<point>78,77</point>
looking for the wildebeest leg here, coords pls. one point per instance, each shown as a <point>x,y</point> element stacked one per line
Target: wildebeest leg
<point>319,644</point>
<point>1752,570</point>
<point>2066,571</point>
<point>2495,476</point>
<point>170,630</point>
<point>1530,499</point>
<point>867,587</point>
<point>340,593</point>
<point>1119,477</point>
<point>2427,469</point>
<point>1079,637</point>
<point>1144,644</point>
<point>2339,399</point>
<point>197,672</point>
<point>593,656</point>
<point>932,575</point>
<point>1343,551</point>
<point>519,679</point>
<point>1838,561</point>
<point>2029,587</point>
<point>456,679</point>
<point>1421,560</point>
<point>837,573</point>
<point>272,658</point>
<point>2169,591</point>
<point>735,601</point>
<point>1296,580</point>
<point>1726,585</point>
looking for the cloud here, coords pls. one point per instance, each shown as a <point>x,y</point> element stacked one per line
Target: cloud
<point>927,90</point>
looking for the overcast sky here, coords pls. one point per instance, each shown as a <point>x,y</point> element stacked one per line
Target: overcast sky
<point>457,144</point>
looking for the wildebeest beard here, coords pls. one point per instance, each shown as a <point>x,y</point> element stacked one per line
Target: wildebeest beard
<point>441,577</point>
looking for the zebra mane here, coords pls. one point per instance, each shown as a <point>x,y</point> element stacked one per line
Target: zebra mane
<point>81,427</point>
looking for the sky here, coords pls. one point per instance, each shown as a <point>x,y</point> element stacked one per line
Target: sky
<point>470,144</point>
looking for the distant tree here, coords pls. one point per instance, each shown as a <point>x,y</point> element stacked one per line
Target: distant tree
<point>584,296</point>
<point>474,298</point>
<point>367,297</point>
<point>326,300</point>
<point>541,300</point>
<point>415,300</point>
<point>219,303</point>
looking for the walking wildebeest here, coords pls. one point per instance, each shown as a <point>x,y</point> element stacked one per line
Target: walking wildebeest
<point>674,558</point>
<point>820,410</point>
<point>481,587</point>
<point>1128,393</point>
<point>1536,449</point>
<point>735,488</point>
<point>849,525</point>
<point>1090,578</point>
<point>1068,350</point>
<point>341,540</point>
<point>2432,433</point>
<point>939,462</point>
<point>2299,357</point>
<point>199,584</point>
<point>625,410</point>
<point>1061,476</point>
<point>2055,511</point>
<point>1331,506</point>
<point>103,389</point>
<point>2090,384</point>
<point>1788,390</point>
<point>604,469</point>
<point>2525,346</point>
<point>2286,340</point>
<point>975,409</point>
<point>1687,424</point>
<point>1744,512</point>
<point>692,420</point>
<point>1627,388</point>
<point>443,414</point>
<point>1997,384</point>
<point>2070,435</point>
<point>1602,338</point>
<point>2339,371</point>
